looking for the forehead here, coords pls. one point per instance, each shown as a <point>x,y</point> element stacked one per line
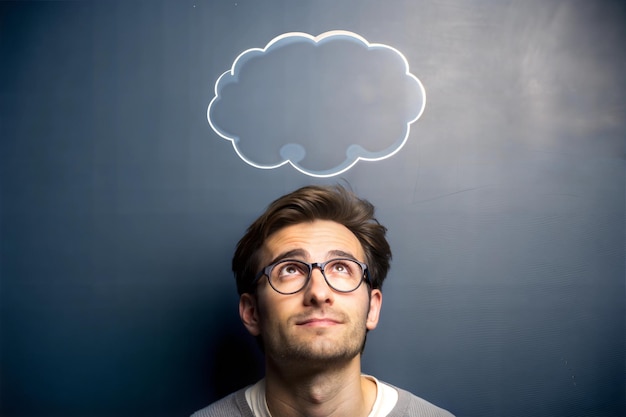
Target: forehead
<point>317,239</point>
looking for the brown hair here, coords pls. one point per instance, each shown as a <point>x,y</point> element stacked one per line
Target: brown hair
<point>306,204</point>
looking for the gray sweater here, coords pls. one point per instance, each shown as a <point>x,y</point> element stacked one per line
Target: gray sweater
<point>408,405</point>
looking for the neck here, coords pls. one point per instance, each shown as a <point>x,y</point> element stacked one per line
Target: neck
<point>337,390</point>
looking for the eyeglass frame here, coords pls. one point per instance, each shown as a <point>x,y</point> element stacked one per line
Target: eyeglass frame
<point>311,265</point>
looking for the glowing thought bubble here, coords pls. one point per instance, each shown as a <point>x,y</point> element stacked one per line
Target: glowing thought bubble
<point>320,103</point>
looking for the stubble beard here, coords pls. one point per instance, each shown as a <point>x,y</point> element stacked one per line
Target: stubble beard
<point>317,347</point>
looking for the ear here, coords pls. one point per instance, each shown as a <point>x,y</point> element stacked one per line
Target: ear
<point>249,313</point>
<point>376,302</point>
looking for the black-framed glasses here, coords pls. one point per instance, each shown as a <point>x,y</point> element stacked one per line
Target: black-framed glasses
<point>289,276</point>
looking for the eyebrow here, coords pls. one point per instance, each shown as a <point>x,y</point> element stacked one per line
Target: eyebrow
<point>302,254</point>
<point>294,253</point>
<point>341,254</point>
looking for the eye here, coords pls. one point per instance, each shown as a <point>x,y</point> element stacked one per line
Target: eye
<point>290,269</point>
<point>343,267</point>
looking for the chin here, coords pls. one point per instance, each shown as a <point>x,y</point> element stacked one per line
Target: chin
<point>322,351</point>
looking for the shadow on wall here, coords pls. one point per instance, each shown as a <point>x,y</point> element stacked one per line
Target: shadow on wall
<point>236,360</point>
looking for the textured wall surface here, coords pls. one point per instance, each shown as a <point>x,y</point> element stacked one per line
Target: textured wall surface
<point>120,206</point>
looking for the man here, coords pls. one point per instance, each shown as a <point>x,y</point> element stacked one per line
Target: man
<point>309,274</point>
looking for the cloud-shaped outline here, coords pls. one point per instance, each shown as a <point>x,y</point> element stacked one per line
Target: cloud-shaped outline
<point>316,39</point>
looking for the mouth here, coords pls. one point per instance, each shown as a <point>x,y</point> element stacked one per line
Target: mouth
<point>318,322</point>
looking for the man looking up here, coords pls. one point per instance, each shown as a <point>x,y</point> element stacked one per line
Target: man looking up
<point>309,274</point>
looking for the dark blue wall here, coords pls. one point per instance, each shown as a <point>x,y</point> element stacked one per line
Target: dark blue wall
<point>120,207</point>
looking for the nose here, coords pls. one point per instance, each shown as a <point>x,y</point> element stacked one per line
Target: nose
<point>317,291</point>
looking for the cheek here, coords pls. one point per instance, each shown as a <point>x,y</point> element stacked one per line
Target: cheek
<point>357,308</point>
<point>273,310</point>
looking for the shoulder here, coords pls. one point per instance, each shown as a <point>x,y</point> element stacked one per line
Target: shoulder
<point>410,405</point>
<point>232,405</point>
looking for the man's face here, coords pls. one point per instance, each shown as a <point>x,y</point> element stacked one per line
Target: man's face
<point>316,323</point>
